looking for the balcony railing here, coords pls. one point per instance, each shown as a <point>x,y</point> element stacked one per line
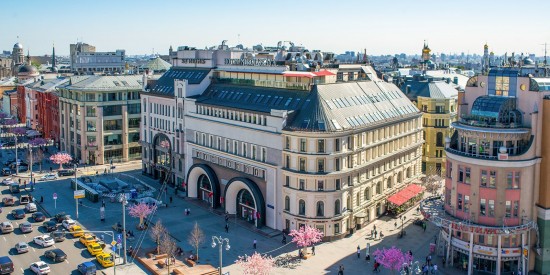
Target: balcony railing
<point>474,121</point>
<point>466,154</point>
<point>266,83</point>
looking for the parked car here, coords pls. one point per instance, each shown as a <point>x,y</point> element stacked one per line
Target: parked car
<point>58,236</point>
<point>22,247</point>
<point>49,177</point>
<point>87,239</point>
<point>104,259</point>
<point>43,240</point>
<point>6,171</point>
<point>31,207</point>
<point>6,227</point>
<point>49,225</point>
<point>57,255</point>
<point>24,199</point>
<point>68,223</point>
<point>6,265</point>
<point>65,172</point>
<point>87,268</point>
<point>18,214</point>
<point>76,230</point>
<point>94,248</point>
<point>61,216</point>
<point>40,268</point>
<point>8,201</point>
<point>25,227</point>
<point>7,181</point>
<point>14,188</point>
<point>38,217</point>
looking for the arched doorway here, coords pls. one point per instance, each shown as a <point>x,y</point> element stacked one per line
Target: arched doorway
<point>162,157</point>
<point>378,209</point>
<point>246,208</point>
<point>244,199</point>
<point>202,183</point>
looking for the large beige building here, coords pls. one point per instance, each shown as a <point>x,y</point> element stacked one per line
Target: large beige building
<point>100,118</point>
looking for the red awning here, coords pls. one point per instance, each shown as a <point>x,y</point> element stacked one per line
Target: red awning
<point>405,195</point>
<point>307,74</point>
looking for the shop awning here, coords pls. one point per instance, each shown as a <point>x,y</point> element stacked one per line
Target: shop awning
<point>405,195</point>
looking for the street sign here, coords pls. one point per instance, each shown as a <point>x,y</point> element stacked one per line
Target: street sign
<point>119,238</point>
<point>119,246</point>
<point>113,243</point>
<point>79,194</point>
<point>55,196</point>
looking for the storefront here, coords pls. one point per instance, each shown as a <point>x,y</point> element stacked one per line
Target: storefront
<point>246,209</point>
<point>404,199</point>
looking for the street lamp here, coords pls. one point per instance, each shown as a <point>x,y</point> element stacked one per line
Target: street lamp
<point>402,218</point>
<point>124,202</point>
<point>30,152</point>
<point>76,188</point>
<point>219,241</point>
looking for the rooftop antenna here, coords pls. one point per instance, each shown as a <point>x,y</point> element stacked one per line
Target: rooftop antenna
<point>544,54</point>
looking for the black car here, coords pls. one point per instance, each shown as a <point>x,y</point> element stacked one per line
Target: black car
<point>65,172</point>
<point>57,255</point>
<point>39,217</point>
<point>50,226</point>
<point>58,236</point>
<point>61,216</point>
<point>18,214</point>
<point>6,265</point>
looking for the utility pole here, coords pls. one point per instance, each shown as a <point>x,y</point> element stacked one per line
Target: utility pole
<point>76,188</point>
<point>124,202</point>
<point>16,157</point>
<point>30,152</point>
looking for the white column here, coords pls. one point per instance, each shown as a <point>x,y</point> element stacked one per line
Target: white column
<point>522,257</point>
<point>499,253</point>
<point>471,254</point>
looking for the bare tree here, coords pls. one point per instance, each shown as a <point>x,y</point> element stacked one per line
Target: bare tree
<point>156,234</point>
<point>196,238</point>
<point>432,180</point>
<point>37,157</point>
<point>169,247</point>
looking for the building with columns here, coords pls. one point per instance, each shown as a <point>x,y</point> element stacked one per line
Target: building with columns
<point>496,187</point>
<point>100,118</point>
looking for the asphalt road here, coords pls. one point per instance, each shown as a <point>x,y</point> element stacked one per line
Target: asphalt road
<point>76,252</point>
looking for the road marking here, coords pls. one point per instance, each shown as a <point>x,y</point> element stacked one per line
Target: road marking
<point>67,261</point>
<point>33,249</point>
<point>22,271</point>
<point>54,246</point>
<point>25,235</point>
<point>17,223</point>
<point>5,239</point>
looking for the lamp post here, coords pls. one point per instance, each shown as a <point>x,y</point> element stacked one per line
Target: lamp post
<point>30,152</point>
<point>76,188</point>
<point>219,241</point>
<point>16,157</point>
<point>124,202</point>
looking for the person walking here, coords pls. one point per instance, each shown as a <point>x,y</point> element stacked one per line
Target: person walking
<point>313,250</point>
<point>341,270</point>
<point>226,228</point>
<point>170,199</point>
<point>424,226</point>
<point>395,225</point>
<point>381,235</point>
<point>367,258</point>
<point>376,265</point>
<point>41,199</point>
<point>226,216</point>
<point>255,243</point>
<point>284,238</point>
<point>358,252</point>
<point>434,271</point>
<point>103,202</point>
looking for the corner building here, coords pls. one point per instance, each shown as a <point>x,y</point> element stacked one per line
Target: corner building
<point>495,189</point>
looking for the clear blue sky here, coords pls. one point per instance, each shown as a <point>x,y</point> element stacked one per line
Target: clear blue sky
<point>382,27</point>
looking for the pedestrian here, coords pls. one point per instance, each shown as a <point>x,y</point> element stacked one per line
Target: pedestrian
<point>358,252</point>
<point>371,233</point>
<point>105,171</point>
<point>367,257</point>
<point>341,270</point>
<point>103,202</point>
<point>375,233</point>
<point>313,250</point>
<point>376,265</point>
<point>19,181</point>
<point>424,226</point>
<point>395,225</point>
<point>429,259</point>
<point>255,243</point>
<point>374,227</point>
<point>434,271</point>
<point>96,172</point>
<point>226,228</point>
<point>41,199</point>
<point>170,199</point>
<point>50,169</point>
<point>284,238</point>
<point>80,202</point>
<point>226,217</point>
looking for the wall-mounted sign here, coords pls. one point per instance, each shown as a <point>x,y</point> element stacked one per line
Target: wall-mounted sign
<point>250,62</point>
<point>193,60</point>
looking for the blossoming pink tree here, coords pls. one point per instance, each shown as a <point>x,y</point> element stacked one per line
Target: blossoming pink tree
<point>256,264</point>
<point>141,211</point>
<point>61,158</point>
<point>392,258</point>
<point>306,236</point>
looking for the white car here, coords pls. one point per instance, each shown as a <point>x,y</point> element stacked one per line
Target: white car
<point>49,177</point>
<point>22,247</point>
<point>68,223</point>
<point>7,181</point>
<point>31,207</point>
<point>43,240</point>
<point>40,267</point>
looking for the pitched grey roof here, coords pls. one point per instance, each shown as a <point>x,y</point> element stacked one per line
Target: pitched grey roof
<point>165,84</point>
<point>344,106</point>
<point>252,98</point>
<point>157,65</point>
<point>435,89</point>
<point>107,83</point>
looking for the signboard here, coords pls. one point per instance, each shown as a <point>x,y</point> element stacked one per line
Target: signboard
<point>119,238</point>
<point>55,196</point>
<point>250,62</point>
<point>113,243</point>
<point>502,156</point>
<point>79,194</point>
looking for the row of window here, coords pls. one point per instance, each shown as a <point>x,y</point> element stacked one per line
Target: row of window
<point>232,115</point>
<point>488,178</point>
<point>95,96</point>
<point>235,147</point>
<point>486,207</point>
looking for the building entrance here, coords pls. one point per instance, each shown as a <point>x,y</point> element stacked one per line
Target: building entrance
<point>246,209</point>
<point>205,191</point>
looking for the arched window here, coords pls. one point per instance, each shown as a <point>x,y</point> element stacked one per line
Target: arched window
<point>348,203</point>
<point>389,182</point>
<point>399,177</point>
<point>301,207</point>
<point>320,209</point>
<point>367,194</point>
<point>439,139</point>
<point>287,203</point>
<point>379,188</point>
<point>337,207</point>
<point>409,173</point>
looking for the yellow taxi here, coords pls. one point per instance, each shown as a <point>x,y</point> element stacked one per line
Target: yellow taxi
<point>104,259</point>
<point>87,239</point>
<point>94,248</point>
<point>76,230</point>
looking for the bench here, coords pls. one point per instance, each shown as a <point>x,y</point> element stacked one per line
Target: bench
<point>177,271</point>
<point>191,262</point>
<point>161,263</point>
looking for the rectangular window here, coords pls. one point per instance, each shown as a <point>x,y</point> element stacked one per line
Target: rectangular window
<point>491,208</point>
<point>320,185</point>
<point>449,170</point>
<point>492,179</point>
<point>337,184</point>
<point>508,209</point>
<point>467,177</point>
<point>482,207</point>
<point>320,146</point>
<point>253,151</point>
<point>460,174</point>
<point>287,182</point>
<point>287,143</point>
<point>481,239</point>
<point>264,154</point>
<point>337,164</point>
<point>302,185</point>
<point>235,148</point>
<point>245,150</point>
<point>466,204</point>
<point>483,180</point>
<point>512,180</point>
<point>337,145</point>
<point>459,202</point>
<point>336,228</point>
<point>302,165</point>
<point>321,165</point>
<point>516,209</point>
<point>302,145</point>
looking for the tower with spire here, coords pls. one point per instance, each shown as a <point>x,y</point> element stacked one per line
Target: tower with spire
<point>485,63</point>
<point>54,63</point>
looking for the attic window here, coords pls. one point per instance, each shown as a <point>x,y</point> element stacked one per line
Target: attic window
<point>305,123</point>
<point>336,124</point>
<point>321,125</point>
<point>116,83</point>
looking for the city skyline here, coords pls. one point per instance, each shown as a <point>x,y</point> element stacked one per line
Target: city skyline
<point>387,28</point>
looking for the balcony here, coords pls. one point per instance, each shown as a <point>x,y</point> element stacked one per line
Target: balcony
<point>469,120</point>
